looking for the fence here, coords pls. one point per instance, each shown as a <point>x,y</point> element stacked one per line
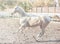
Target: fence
<point>46,10</point>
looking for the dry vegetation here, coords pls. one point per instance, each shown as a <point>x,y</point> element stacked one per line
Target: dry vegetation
<point>26,4</point>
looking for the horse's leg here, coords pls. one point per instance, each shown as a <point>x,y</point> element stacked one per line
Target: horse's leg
<point>42,33</point>
<point>21,28</point>
<point>41,24</point>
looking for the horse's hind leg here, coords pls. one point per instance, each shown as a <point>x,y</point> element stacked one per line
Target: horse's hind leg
<point>42,27</point>
<point>37,38</point>
<point>42,33</point>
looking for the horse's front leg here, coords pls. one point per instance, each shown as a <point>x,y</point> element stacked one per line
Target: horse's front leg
<point>21,28</point>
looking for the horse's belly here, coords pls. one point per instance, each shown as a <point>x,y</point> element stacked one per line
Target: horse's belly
<point>34,21</point>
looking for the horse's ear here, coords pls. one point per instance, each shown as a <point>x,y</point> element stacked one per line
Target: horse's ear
<point>16,7</point>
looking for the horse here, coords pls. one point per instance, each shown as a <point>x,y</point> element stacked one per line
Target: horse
<point>44,20</point>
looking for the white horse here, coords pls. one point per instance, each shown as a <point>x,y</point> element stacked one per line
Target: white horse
<point>44,20</point>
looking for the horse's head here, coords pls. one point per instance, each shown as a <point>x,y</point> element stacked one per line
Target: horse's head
<point>14,11</point>
<point>19,10</point>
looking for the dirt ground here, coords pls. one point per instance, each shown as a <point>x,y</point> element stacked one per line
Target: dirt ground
<point>9,34</point>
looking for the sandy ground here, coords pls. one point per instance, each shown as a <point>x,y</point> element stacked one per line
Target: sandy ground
<point>9,34</point>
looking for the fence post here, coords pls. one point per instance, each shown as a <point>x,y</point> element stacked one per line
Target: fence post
<point>48,9</point>
<point>36,9</point>
<point>41,9</point>
<point>54,10</point>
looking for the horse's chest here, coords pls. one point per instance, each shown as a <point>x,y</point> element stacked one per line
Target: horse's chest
<point>24,20</point>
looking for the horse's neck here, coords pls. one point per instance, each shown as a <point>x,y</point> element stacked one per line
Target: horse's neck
<point>23,13</point>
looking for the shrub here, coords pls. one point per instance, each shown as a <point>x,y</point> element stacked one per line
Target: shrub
<point>25,5</point>
<point>2,7</point>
